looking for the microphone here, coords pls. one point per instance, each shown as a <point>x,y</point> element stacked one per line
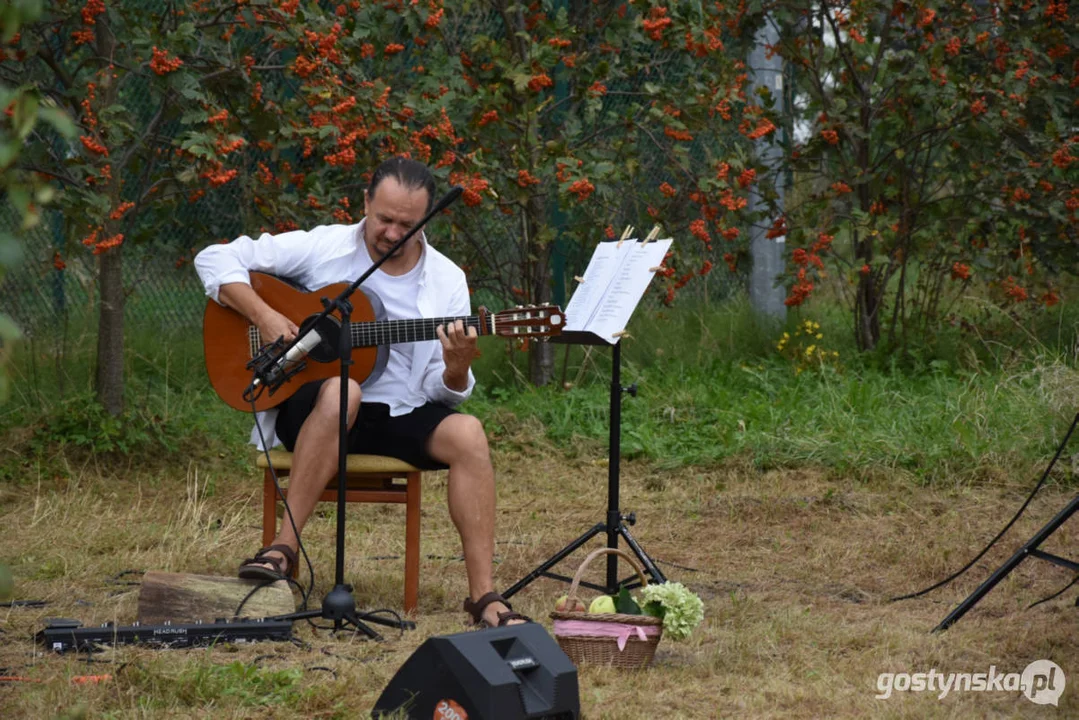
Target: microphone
<point>304,345</point>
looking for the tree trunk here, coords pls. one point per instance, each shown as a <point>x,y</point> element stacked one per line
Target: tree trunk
<point>541,354</point>
<point>868,298</point>
<point>109,385</point>
<point>866,317</point>
<point>110,331</point>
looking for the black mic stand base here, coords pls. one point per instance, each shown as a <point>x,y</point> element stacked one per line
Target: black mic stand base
<point>339,606</point>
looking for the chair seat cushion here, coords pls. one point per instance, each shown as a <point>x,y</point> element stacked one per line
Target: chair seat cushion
<point>282,460</point>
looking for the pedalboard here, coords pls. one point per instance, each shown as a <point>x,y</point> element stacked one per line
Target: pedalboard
<point>63,635</point>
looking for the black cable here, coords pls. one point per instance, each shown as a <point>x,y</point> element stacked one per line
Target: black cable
<point>264,583</point>
<point>1058,593</point>
<point>259,658</point>
<point>25,603</point>
<point>322,668</point>
<point>675,565</point>
<point>1007,527</point>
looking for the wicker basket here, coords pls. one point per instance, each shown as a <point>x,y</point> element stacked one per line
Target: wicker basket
<point>603,649</point>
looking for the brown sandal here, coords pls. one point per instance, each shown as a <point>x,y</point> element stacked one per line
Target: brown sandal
<point>475,609</point>
<point>252,568</point>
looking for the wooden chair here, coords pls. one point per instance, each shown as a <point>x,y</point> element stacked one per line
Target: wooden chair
<point>370,478</point>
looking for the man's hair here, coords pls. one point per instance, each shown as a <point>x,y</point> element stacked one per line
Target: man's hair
<point>409,173</point>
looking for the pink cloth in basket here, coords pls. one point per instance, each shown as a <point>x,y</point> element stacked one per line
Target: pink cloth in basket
<point>588,628</point>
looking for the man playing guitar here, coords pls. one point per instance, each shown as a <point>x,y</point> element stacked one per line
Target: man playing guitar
<point>406,412</point>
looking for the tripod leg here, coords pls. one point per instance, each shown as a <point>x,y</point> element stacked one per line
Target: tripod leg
<point>649,566</point>
<point>1029,549</point>
<point>554,559</point>
<point>354,620</point>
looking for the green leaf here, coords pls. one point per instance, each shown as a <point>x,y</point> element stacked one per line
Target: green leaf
<point>623,603</point>
<point>25,115</point>
<point>59,119</point>
<point>520,81</point>
<point>654,609</point>
<point>10,250</point>
<point>8,329</point>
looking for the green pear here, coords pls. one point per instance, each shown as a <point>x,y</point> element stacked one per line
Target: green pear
<point>602,604</point>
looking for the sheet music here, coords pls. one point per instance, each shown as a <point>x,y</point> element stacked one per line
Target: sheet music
<point>613,284</point>
<point>606,260</point>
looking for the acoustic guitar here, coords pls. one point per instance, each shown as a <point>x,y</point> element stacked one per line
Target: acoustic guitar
<point>231,341</point>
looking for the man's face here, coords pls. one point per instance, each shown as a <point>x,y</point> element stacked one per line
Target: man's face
<point>391,213</point>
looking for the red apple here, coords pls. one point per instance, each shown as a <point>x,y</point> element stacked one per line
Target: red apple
<point>563,605</point>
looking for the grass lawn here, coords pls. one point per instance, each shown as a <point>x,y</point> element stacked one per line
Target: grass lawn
<point>795,500</point>
<point>795,567</point>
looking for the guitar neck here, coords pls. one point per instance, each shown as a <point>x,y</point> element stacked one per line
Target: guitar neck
<point>387,332</point>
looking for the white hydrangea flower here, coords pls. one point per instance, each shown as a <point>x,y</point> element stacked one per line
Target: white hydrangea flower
<point>683,611</point>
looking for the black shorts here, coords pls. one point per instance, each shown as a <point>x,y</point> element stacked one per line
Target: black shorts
<point>374,433</point>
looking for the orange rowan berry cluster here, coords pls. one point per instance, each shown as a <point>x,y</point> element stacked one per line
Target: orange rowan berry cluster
<point>94,145</point>
<point>540,81</point>
<point>108,243</point>
<point>763,127</point>
<point>120,210</point>
<point>217,176</point>
<point>473,185</point>
<point>162,64</point>
<point>525,178</point>
<point>675,134</point>
<point>656,23</point>
<point>582,189</point>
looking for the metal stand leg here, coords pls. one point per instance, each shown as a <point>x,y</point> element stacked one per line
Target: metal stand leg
<point>1030,549</point>
<point>615,525</point>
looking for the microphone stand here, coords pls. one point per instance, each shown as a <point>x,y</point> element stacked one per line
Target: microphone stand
<point>339,605</point>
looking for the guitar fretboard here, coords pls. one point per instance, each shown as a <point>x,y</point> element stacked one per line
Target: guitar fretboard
<point>387,332</point>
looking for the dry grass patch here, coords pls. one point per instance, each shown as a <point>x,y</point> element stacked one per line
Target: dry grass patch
<point>795,568</point>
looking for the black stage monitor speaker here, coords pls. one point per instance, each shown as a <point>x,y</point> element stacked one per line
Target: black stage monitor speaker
<point>497,674</point>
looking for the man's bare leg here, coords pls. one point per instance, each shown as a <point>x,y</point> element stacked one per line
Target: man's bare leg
<point>314,459</point>
<point>460,442</point>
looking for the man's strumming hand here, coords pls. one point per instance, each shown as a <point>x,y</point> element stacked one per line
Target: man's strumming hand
<point>272,325</point>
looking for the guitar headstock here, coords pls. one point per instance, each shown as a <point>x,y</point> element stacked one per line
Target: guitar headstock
<point>528,321</point>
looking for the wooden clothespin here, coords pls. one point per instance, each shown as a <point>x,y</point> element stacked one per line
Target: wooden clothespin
<point>652,235</point>
<point>625,235</point>
<point>657,268</point>
<point>578,278</point>
<point>621,334</point>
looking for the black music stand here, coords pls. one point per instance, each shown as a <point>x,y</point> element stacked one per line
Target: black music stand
<point>615,524</point>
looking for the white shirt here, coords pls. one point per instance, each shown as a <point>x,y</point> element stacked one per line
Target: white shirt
<point>336,253</point>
